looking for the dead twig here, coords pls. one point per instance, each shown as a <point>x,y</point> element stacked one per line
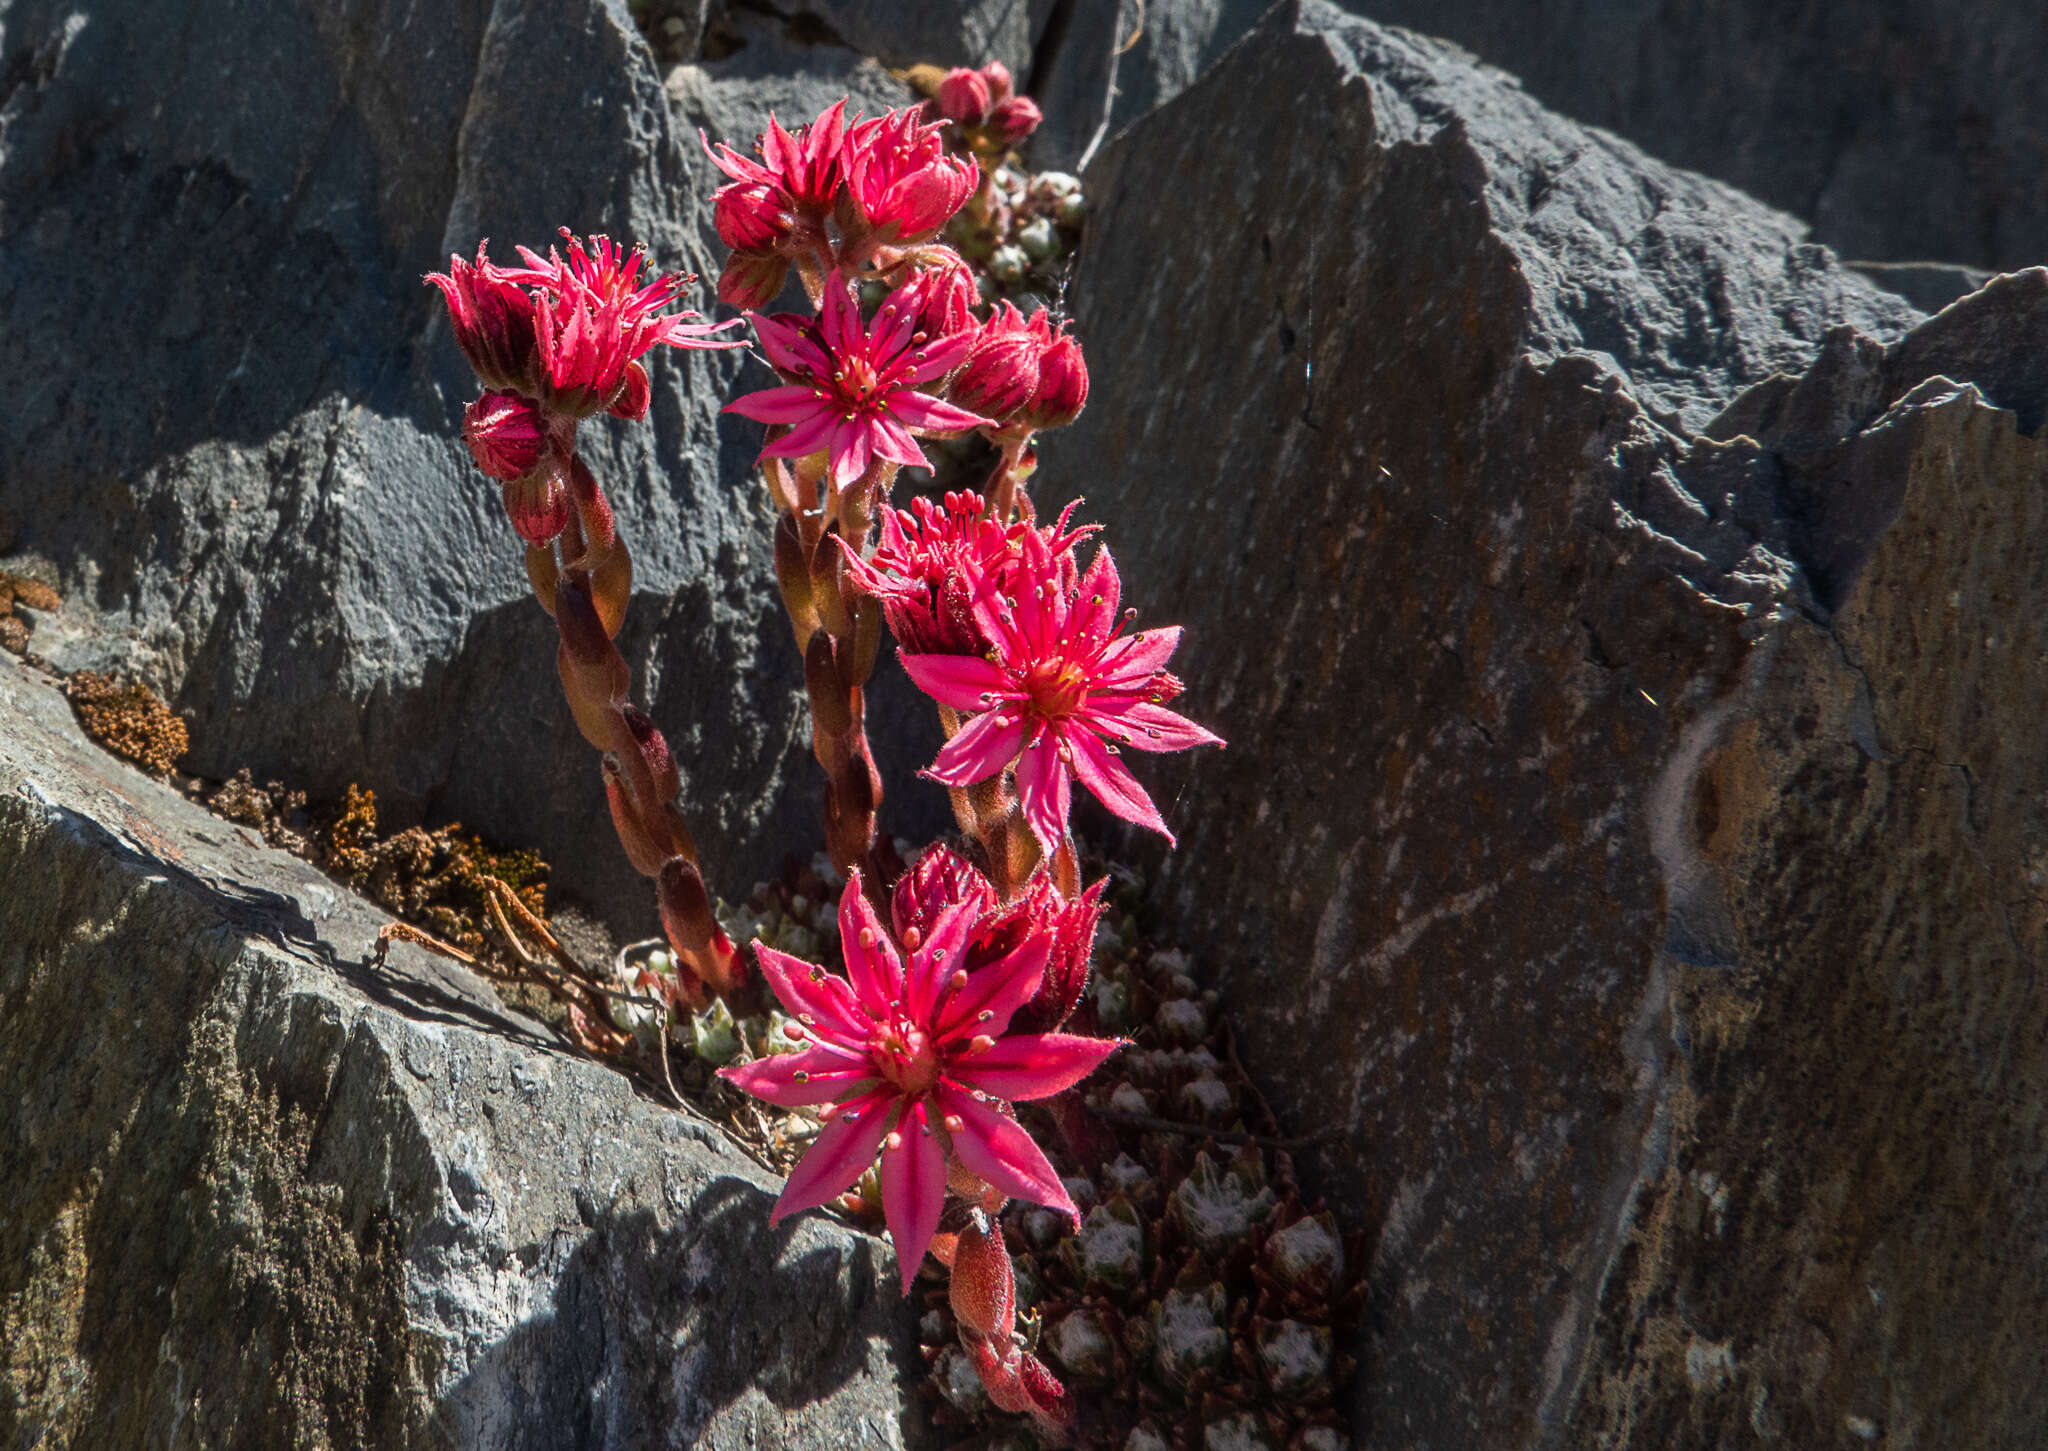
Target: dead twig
<point>392,932</point>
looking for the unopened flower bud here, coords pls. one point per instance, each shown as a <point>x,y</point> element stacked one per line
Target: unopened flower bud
<point>1062,384</point>
<point>1008,264</point>
<point>505,433</point>
<point>1000,373</point>
<point>1000,84</point>
<point>1012,120</point>
<point>538,505</point>
<point>749,216</point>
<point>634,394</point>
<point>983,1290</point>
<point>686,915</point>
<point>944,298</point>
<point>963,96</point>
<point>752,279</point>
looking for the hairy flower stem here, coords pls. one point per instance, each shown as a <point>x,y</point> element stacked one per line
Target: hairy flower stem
<point>838,630</point>
<point>987,812</point>
<point>1011,471</point>
<point>585,580</point>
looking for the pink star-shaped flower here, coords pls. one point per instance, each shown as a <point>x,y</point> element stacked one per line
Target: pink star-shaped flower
<point>914,1058</point>
<point>1059,694</point>
<point>594,318</point>
<point>853,389</point>
<point>931,561</point>
<point>568,331</point>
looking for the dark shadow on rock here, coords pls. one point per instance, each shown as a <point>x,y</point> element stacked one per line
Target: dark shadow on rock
<point>657,1331</point>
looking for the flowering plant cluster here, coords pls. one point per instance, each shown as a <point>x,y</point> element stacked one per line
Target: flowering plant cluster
<point>962,971</point>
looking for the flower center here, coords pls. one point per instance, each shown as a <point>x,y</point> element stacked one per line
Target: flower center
<point>857,382</point>
<point>906,1057</point>
<point>1057,688</point>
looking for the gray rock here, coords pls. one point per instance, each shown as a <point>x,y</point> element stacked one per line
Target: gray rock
<point>1538,514</point>
<point>935,32</point>
<point>1900,131</point>
<point>234,412</point>
<point>1116,60</point>
<point>263,1194</point>
<point>1929,286</point>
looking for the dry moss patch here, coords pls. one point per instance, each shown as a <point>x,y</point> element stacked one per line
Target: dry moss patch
<point>128,719</point>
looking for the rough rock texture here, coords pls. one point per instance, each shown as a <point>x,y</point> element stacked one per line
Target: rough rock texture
<point>261,1194</point>
<point>234,409</point>
<point>1113,61</point>
<point>1900,129</point>
<point>1630,840</point>
<point>935,32</point>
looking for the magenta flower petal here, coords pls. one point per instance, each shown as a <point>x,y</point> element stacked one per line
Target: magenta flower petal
<point>1130,662</point>
<point>792,404</point>
<point>913,1189</point>
<point>810,436</point>
<point>787,341</point>
<point>921,410</point>
<point>893,442</point>
<point>851,450</point>
<point>799,1080</point>
<point>995,1148</point>
<point>814,996</point>
<point>985,746</point>
<point>839,317</point>
<point>938,957</point>
<point>961,681</point>
<point>1113,784</point>
<point>1096,600</point>
<point>1147,727</point>
<point>943,355</point>
<point>872,963</point>
<point>841,1153</point>
<point>1045,790</point>
<point>1026,1066</point>
<point>997,991</point>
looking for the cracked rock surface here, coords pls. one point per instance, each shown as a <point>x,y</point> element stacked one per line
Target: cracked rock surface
<point>260,1194</point>
<point>1627,624</point>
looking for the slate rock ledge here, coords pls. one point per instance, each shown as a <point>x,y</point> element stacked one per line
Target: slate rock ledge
<point>258,1195</point>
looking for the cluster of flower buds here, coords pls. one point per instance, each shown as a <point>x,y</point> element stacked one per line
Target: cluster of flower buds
<point>987,115</point>
<point>555,342</point>
<point>833,193</point>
